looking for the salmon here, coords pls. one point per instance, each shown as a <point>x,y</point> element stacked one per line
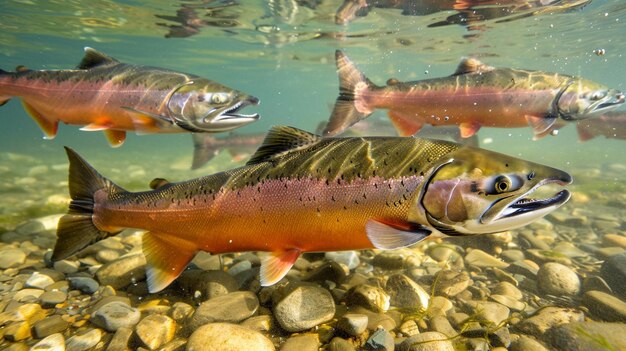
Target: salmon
<point>303,193</point>
<point>610,125</point>
<point>104,94</point>
<point>475,95</point>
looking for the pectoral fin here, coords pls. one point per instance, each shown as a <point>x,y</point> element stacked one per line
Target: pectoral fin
<point>395,235</point>
<point>166,256</point>
<point>276,265</point>
<point>540,125</point>
<point>144,121</point>
<point>49,127</point>
<point>406,125</point>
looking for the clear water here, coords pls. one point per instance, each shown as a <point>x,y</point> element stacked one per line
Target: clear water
<point>282,51</point>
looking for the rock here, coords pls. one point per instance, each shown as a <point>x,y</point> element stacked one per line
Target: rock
<point>227,337</point>
<point>547,318</point>
<point>606,307</point>
<point>443,253</point>
<point>486,311</point>
<point>348,258</point>
<point>534,241</point>
<point>512,255</point>
<point>155,330</point>
<point>49,299</point>
<point>405,293</point>
<point>439,305</point>
<point>389,260</point>
<point>339,344</point>
<point>525,343</point>
<point>449,283</point>
<point>442,325</point>
<point>180,311</point>
<point>428,341</point>
<point>380,340</point>
<point>370,297</point>
<point>352,324</point>
<point>545,256</point>
<point>38,281</point>
<point>233,307</point>
<point>48,326</point>
<point>209,284</point>
<point>120,340</point>
<point>107,255</point>
<point>114,315</point>
<point>557,279</point>
<point>262,324</point>
<point>328,271</point>
<point>613,271</point>
<point>480,258</point>
<point>11,258</point>
<point>66,266</point>
<point>28,295</point>
<point>594,282</point>
<point>507,289</point>
<point>615,240</point>
<point>124,271</point>
<point>54,342</point>
<point>305,342</point>
<point>509,302</point>
<point>409,328</point>
<point>587,336</point>
<point>375,320</point>
<point>526,268</point>
<point>301,307</point>
<point>17,331</point>
<point>85,284</point>
<point>239,267</point>
<point>85,341</point>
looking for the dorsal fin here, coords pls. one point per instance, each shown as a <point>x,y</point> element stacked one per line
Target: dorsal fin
<point>94,58</point>
<point>471,65</point>
<point>21,68</point>
<point>281,139</point>
<point>158,183</point>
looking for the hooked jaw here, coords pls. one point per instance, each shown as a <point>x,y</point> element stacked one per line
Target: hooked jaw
<point>229,118</point>
<point>524,209</point>
<point>611,102</point>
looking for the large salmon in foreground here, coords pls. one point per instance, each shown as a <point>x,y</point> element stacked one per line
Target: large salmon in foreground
<point>303,193</point>
<point>104,94</point>
<point>474,96</point>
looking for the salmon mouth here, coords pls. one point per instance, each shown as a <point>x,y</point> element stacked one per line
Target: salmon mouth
<point>231,112</point>
<point>608,103</point>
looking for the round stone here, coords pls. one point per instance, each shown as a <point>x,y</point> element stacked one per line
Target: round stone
<point>227,337</point>
<point>49,299</point>
<point>116,315</point>
<point>54,342</point>
<point>557,279</point>
<point>348,258</point>
<point>123,271</point>
<point>11,258</point>
<point>84,284</point>
<point>428,341</point>
<point>303,307</point>
<point>156,330</point>
<point>233,307</point>
<point>370,297</point>
<point>84,342</point>
<point>405,293</point>
<point>352,324</point>
<point>38,281</point>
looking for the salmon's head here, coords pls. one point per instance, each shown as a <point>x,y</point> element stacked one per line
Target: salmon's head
<point>582,98</point>
<point>205,106</point>
<point>478,192</point>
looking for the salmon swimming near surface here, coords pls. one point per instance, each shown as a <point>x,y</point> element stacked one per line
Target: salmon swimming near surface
<point>103,94</point>
<point>303,193</point>
<point>611,125</point>
<point>476,95</point>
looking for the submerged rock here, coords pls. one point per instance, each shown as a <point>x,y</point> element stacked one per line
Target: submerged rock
<point>587,336</point>
<point>301,307</point>
<point>227,337</point>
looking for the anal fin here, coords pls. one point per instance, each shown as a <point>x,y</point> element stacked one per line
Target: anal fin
<point>115,137</point>
<point>276,265</point>
<point>406,125</point>
<point>49,127</point>
<point>389,236</point>
<point>166,256</point>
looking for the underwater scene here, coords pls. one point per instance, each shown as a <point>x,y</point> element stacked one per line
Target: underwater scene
<point>313,175</point>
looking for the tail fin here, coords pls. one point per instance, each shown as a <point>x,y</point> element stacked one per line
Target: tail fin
<point>584,134</point>
<point>351,83</point>
<point>76,229</point>
<point>203,149</point>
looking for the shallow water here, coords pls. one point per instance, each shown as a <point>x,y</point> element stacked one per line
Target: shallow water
<point>283,53</point>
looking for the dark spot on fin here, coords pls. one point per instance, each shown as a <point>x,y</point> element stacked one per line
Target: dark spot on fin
<point>280,140</point>
<point>94,58</point>
<point>471,65</point>
<point>157,183</point>
<point>393,236</point>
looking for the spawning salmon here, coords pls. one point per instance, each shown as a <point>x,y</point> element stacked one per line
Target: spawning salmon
<point>476,95</point>
<point>104,94</point>
<point>303,193</point>
<point>611,125</point>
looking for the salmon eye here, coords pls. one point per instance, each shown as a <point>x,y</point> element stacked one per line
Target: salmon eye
<point>219,98</point>
<point>502,184</point>
<point>597,95</point>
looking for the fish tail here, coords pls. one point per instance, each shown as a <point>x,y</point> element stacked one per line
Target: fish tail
<point>76,229</point>
<point>349,109</point>
<point>203,149</point>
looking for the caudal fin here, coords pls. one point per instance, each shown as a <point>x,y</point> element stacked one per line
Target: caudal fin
<point>351,84</point>
<point>203,149</point>
<point>76,229</point>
